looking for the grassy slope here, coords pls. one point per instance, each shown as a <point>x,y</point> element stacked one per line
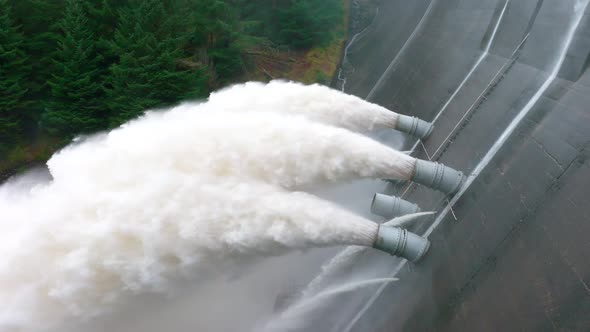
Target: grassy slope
<point>317,65</point>
<point>26,155</point>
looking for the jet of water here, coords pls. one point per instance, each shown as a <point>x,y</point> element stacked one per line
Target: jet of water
<point>286,150</point>
<point>290,319</point>
<point>186,193</point>
<point>84,252</point>
<point>317,102</point>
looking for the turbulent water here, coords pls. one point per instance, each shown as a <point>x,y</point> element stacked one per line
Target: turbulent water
<point>184,193</point>
<point>316,102</point>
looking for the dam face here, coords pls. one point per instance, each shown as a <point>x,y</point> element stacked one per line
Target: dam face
<point>507,85</point>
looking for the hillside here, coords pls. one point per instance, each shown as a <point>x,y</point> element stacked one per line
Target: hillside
<point>80,67</point>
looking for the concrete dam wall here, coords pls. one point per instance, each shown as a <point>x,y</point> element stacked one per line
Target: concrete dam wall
<point>507,85</point>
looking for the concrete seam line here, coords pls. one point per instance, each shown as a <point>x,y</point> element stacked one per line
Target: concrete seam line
<point>492,151</point>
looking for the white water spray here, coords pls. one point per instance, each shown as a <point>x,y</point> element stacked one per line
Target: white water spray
<point>290,319</point>
<point>331,270</point>
<point>317,102</point>
<point>289,151</point>
<point>347,257</point>
<point>84,252</point>
<point>182,194</point>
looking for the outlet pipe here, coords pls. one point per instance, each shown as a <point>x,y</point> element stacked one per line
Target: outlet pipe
<point>413,126</point>
<point>391,206</point>
<point>399,242</point>
<point>437,176</point>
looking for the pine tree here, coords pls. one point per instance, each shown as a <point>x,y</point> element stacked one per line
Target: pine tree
<point>305,23</point>
<point>103,16</point>
<point>76,100</point>
<point>13,72</point>
<point>102,19</point>
<point>37,19</point>
<point>147,74</point>
<point>217,29</point>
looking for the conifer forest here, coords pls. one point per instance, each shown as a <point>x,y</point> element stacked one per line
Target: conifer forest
<point>74,67</point>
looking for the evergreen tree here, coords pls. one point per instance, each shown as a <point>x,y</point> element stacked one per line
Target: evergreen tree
<point>260,16</point>
<point>103,19</point>
<point>76,97</point>
<point>13,72</point>
<point>217,29</point>
<point>305,23</point>
<point>147,74</point>
<point>37,19</point>
<point>83,65</point>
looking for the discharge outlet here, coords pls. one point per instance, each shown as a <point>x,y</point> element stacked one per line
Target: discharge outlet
<point>437,176</point>
<point>413,126</point>
<point>391,206</point>
<point>399,242</point>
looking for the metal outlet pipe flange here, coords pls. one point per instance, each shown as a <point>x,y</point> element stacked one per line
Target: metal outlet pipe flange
<point>411,125</point>
<point>437,176</point>
<point>391,206</point>
<point>399,242</point>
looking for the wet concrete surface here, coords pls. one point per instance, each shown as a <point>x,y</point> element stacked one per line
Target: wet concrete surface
<point>514,253</point>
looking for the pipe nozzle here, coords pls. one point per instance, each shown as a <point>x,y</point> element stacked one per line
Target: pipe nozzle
<point>413,126</point>
<point>391,206</point>
<point>437,176</point>
<point>399,242</point>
